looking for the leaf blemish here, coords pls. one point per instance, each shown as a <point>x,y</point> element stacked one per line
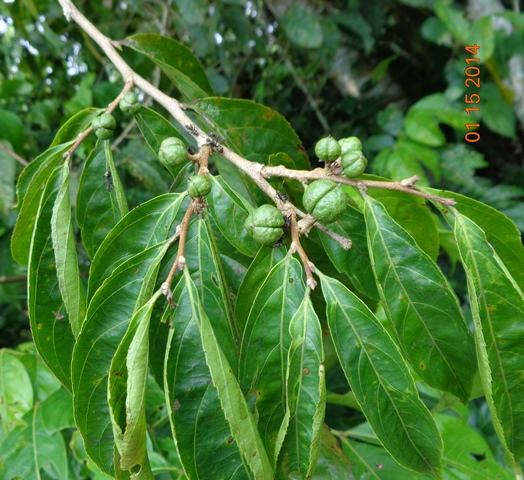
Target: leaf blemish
<point>305,371</point>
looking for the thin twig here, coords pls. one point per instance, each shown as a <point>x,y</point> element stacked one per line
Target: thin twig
<point>110,108</point>
<point>180,259</point>
<point>13,279</point>
<point>15,155</point>
<point>296,246</point>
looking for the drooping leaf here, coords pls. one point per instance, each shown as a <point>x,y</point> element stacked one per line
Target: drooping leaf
<point>500,231</point>
<point>230,211</point>
<point>101,201</point>
<point>176,61</point>
<point>127,392</point>
<point>265,345</point>
<point>29,191</point>
<point>106,322</point>
<point>381,381</point>
<point>236,410</point>
<point>259,269</point>
<point>50,325</point>
<point>143,227</point>
<point>418,301</point>
<point>192,399</point>
<point>412,214</point>
<point>64,246</point>
<point>355,262</point>
<point>203,261</point>
<point>306,393</point>
<point>497,304</point>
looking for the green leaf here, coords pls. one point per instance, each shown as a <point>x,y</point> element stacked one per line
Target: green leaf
<point>422,127</point>
<point>64,245</point>
<point>412,214</point>
<point>417,299</point>
<point>454,20</point>
<point>30,192</point>
<point>7,181</point>
<point>145,226</point>
<point>302,27</point>
<point>192,399</point>
<point>16,392</point>
<point>264,350</point>
<point>497,114</point>
<point>500,231</point>
<point>108,315</point>
<point>466,452</point>
<point>12,129</point>
<point>482,31</point>
<point>354,262</point>
<point>373,461</point>
<point>30,450</point>
<point>381,382</point>
<point>176,61</point>
<point>49,319</point>
<point>236,410</point>
<point>101,201</point>
<point>253,130</point>
<point>306,391</point>
<point>127,392</point>
<point>203,260</point>
<point>496,303</point>
<point>259,269</point>
<point>230,211</point>
<point>333,464</point>
<point>75,125</point>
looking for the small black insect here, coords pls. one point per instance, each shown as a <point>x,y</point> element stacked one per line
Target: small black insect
<point>287,221</point>
<point>216,146</point>
<point>190,150</point>
<point>192,129</point>
<point>109,181</point>
<point>281,196</point>
<point>280,241</point>
<point>218,138</point>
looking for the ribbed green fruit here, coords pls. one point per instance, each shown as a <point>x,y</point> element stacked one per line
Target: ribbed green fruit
<point>265,224</point>
<point>198,186</point>
<point>172,152</point>
<point>325,200</point>
<point>104,126</point>
<point>327,149</point>
<point>354,164</point>
<point>130,103</point>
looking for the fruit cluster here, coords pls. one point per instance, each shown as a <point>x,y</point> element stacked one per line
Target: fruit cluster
<point>323,199</point>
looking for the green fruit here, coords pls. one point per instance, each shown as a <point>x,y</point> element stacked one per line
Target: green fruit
<point>325,200</point>
<point>354,164</point>
<point>327,149</point>
<point>350,144</point>
<point>265,224</point>
<point>130,103</point>
<point>104,126</point>
<point>198,186</point>
<point>172,152</point>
